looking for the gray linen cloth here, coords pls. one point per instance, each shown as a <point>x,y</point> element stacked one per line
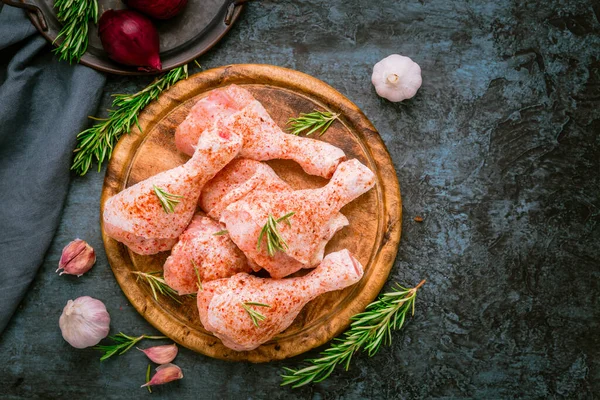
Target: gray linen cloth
<point>44,103</point>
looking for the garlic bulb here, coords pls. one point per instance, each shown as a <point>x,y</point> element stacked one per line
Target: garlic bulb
<point>396,78</point>
<point>84,322</point>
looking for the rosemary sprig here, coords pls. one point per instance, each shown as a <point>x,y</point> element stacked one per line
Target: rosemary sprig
<point>168,201</point>
<point>98,141</point>
<point>369,330</point>
<point>221,232</point>
<point>199,284</point>
<point>157,284</point>
<point>122,344</point>
<point>313,121</point>
<point>274,240</point>
<point>148,377</point>
<point>75,16</point>
<point>255,316</point>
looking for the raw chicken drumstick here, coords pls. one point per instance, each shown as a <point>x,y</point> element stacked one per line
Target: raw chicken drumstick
<point>263,139</point>
<point>220,103</point>
<point>235,181</point>
<point>315,217</point>
<point>214,256</point>
<point>136,216</point>
<point>242,177</point>
<point>225,305</point>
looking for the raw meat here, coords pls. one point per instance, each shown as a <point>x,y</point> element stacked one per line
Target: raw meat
<point>235,109</point>
<point>235,181</point>
<point>215,256</point>
<point>316,216</point>
<point>221,303</point>
<point>220,103</point>
<point>136,217</point>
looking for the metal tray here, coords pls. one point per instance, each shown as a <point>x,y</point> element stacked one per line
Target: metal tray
<point>183,38</point>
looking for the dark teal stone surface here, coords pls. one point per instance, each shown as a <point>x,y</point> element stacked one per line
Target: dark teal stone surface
<point>499,152</point>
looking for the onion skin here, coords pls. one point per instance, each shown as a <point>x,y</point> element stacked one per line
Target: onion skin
<point>159,9</point>
<point>130,38</point>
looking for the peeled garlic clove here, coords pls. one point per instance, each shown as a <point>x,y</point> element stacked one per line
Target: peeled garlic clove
<point>77,258</point>
<point>164,374</point>
<point>84,322</point>
<point>396,78</point>
<point>161,354</point>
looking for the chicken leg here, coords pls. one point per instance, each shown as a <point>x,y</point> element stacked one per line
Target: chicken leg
<point>202,246</point>
<point>235,109</point>
<point>220,103</point>
<point>138,218</point>
<point>310,227</point>
<point>225,305</point>
<point>235,181</point>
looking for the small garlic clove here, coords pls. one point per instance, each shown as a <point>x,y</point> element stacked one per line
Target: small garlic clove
<point>161,354</point>
<point>77,258</point>
<point>164,374</point>
<point>84,322</point>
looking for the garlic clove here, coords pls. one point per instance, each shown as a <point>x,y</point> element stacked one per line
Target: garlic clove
<point>77,258</point>
<point>161,354</point>
<point>396,78</point>
<point>164,374</point>
<point>84,322</point>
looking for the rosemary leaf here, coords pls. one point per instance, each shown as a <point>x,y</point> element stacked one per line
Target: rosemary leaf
<point>167,200</point>
<point>368,331</point>
<point>317,120</point>
<point>148,377</point>
<point>273,238</point>
<point>75,16</point>
<point>122,344</point>
<point>157,285</point>
<point>97,143</point>
<point>221,232</point>
<point>199,284</point>
<point>255,316</point>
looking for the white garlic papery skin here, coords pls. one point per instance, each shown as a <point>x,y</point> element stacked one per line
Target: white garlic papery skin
<point>84,322</point>
<point>396,78</point>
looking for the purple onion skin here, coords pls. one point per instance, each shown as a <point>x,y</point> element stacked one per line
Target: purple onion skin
<point>159,9</point>
<point>130,38</point>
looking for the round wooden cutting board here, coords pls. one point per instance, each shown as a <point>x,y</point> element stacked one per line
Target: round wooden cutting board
<point>375,217</point>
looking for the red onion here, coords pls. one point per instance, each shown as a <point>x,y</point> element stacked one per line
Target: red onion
<point>130,38</point>
<point>159,9</point>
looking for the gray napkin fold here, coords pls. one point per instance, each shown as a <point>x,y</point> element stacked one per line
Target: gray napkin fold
<point>44,103</point>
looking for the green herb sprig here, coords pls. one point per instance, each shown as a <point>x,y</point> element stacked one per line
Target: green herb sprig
<point>221,232</point>
<point>199,283</point>
<point>312,122</point>
<point>369,330</point>
<point>122,344</point>
<point>148,377</point>
<point>168,201</point>
<point>274,240</point>
<point>157,284</point>
<point>75,16</point>
<point>97,143</point>
<point>255,316</point>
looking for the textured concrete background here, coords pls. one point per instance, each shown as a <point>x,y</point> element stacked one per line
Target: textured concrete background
<point>499,152</point>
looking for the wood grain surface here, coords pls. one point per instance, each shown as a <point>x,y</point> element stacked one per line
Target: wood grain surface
<point>375,218</point>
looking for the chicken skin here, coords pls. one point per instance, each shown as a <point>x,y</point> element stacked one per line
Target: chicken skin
<point>202,246</point>
<point>239,178</point>
<point>235,109</point>
<point>316,215</point>
<point>220,103</point>
<point>138,218</point>
<point>226,306</point>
